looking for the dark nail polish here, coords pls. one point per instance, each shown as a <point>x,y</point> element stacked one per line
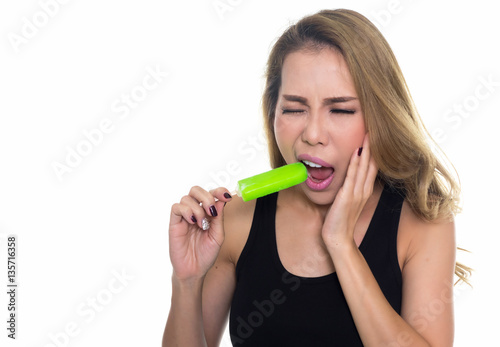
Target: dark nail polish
<point>193,218</point>
<point>227,196</point>
<point>359,151</point>
<point>213,211</point>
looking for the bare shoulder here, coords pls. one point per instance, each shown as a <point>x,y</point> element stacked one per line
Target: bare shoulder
<point>419,237</point>
<point>427,255</point>
<point>238,217</point>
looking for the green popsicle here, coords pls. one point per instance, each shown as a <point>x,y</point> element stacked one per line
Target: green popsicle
<point>271,181</point>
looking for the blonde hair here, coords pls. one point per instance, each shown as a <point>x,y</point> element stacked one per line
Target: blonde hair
<point>398,138</point>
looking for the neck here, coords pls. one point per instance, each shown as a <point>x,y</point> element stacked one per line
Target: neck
<point>296,199</point>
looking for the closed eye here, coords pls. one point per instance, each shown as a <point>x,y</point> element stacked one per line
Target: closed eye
<point>334,110</point>
<point>287,110</point>
<point>340,110</point>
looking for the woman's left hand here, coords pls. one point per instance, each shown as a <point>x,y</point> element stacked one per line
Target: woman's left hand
<point>338,228</point>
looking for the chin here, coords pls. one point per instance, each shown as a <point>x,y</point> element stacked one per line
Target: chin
<point>325,197</point>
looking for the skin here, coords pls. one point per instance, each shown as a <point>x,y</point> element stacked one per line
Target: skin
<point>329,224</point>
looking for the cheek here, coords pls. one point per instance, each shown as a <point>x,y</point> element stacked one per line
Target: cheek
<point>286,132</point>
<point>349,136</point>
<point>358,134</point>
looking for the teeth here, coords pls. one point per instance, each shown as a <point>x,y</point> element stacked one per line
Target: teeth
<point>311,164</point>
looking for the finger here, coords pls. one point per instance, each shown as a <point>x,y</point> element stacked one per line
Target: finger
<point>180,212</point>
<point>206,199</point>
<point>221,194</point>
<point>364,159</point>
<point>369,166</point>
<point>364,153</point>
<point>350,179</point>
<point>372,175</point>
<point>362,178</point>
<point>212,204</point>
<point>198,213</point>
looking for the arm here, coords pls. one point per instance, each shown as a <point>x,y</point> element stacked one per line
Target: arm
<point>427,307</point>
<point>428,275</point>
<point>429,258</point>
<point>185,324</point>
<point>199,308</point>
<point>203,276</point>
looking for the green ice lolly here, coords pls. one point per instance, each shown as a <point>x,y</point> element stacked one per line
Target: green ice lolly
<point>271,181</point>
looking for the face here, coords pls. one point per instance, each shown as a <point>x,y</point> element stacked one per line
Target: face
<point>318,120</point>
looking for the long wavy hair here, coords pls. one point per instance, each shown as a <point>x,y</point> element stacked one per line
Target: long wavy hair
<point>399,142</point>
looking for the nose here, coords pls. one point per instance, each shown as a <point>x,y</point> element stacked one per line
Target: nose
<point>315,131</point>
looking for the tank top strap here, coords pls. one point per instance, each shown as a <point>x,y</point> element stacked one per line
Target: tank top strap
<point>381,237</point>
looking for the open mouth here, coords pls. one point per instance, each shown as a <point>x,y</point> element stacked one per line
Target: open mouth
<point>319,177</point>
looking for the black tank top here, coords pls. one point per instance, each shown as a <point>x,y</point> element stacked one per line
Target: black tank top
<point>272,307</point>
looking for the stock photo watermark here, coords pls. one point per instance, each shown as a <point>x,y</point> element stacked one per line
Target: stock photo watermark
<point>121,108</point>
<point>31,25</point>
<point>428,314</point>
<point>12,287</point>
<point>89,309</point>
<point>455,115</point>
<point>247,152</point>
<point>222,7</point>
<point>383,17</point>
<point>265,308</point>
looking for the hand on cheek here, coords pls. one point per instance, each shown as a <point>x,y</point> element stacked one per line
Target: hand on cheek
<point>338,228</point>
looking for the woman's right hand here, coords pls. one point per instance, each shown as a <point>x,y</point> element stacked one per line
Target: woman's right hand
<point>193,250</point>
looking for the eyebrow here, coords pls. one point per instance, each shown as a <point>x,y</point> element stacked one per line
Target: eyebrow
<point>327,101</point>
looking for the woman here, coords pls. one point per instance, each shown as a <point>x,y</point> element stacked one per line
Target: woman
<point>363,252</point>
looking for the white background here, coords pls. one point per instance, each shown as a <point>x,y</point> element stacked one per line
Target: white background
<point>110,214</point>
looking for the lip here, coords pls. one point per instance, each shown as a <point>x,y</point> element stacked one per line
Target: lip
<point>313,159</point>
<point>317,186</point>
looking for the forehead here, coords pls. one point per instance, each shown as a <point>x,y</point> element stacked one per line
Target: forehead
<point>316,70</point>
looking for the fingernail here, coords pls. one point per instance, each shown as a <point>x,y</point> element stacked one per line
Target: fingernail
<point>205,224</point>
<point>193,218</point>
<point>227,196</point>
<point>213,211</point>
<point>359,151</point>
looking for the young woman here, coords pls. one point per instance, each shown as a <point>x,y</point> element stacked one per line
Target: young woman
<point>363,252</point>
